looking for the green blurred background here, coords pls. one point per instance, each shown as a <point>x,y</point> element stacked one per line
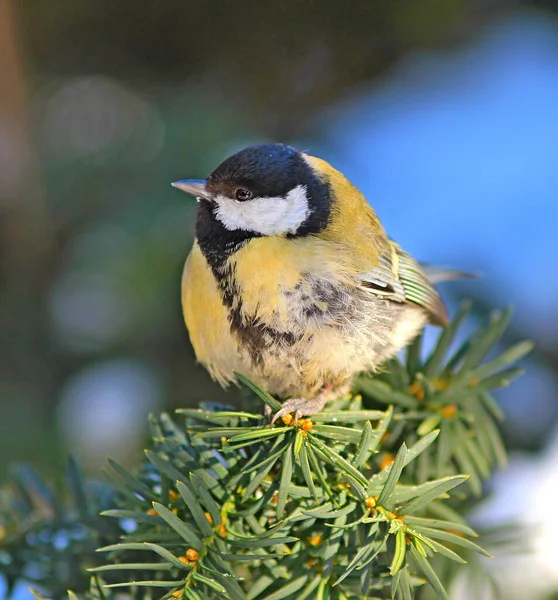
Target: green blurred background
<point>445,113</point>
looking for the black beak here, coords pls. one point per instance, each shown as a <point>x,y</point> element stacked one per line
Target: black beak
<point>194,187</point>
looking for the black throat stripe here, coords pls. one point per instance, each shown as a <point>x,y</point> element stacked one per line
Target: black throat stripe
<point>218,244</point>
<point>251,334</point>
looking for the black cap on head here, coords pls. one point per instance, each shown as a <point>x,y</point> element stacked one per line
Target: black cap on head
<point>268,170</point>
<point>273,170</point>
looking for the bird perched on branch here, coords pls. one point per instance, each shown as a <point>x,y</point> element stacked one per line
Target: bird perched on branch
<point>293,281</point>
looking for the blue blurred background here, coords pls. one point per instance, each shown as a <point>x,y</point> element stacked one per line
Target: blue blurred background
<point>444,112</point>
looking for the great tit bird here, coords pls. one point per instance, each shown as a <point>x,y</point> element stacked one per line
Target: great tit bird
<point>293,281</point>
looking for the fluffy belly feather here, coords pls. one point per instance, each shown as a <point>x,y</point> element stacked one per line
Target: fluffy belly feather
<point>294,337</point>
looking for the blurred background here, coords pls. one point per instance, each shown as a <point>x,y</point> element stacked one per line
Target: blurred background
<point>444,112</point>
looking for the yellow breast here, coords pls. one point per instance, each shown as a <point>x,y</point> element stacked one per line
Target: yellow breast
<point>207,319</point>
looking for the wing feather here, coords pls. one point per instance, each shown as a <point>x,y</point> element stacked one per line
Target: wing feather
<point>400,278</point>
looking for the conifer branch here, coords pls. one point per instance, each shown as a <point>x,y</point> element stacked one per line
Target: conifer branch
<point>352,503</point>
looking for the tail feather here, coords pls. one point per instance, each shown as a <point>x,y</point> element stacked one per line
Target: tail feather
<point>439,274</point>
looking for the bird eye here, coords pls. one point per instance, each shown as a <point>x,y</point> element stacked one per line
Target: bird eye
<point>242,195</point>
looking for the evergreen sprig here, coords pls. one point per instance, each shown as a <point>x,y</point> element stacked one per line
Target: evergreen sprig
<point>355,502</point>
<point>48,538</point>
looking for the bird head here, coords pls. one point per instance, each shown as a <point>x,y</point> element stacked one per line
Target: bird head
<point>265,190</point>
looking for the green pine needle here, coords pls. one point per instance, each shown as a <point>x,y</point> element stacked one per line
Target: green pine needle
<point>354,502</point>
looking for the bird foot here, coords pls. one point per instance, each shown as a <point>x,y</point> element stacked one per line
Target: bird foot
<point>301,407</point>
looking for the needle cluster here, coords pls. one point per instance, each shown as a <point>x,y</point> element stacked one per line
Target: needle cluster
<point>366,499</point>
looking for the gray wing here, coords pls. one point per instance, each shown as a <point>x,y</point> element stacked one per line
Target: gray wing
<point>400,278</point>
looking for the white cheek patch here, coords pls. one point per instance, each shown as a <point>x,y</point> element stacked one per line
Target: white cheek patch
<point>267,216</point>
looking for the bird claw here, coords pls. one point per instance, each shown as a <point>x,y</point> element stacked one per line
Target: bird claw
<point>301,407</point>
